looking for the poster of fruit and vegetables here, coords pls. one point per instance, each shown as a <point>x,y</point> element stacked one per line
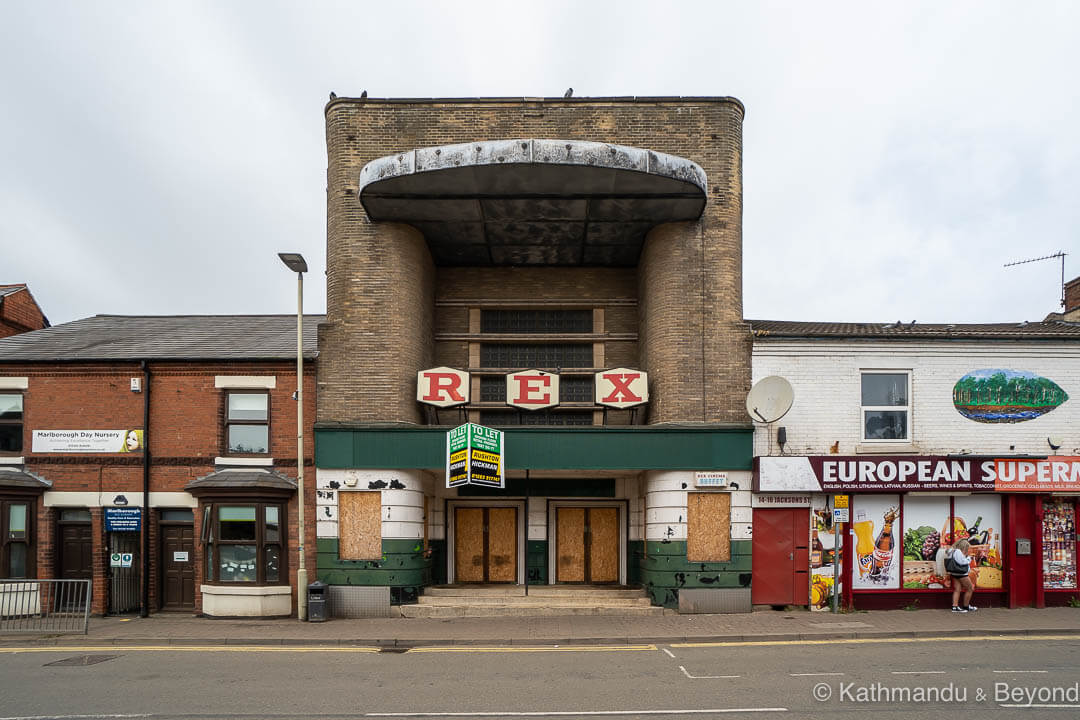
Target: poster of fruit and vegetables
<point>824,570</point>
<point>876,525</point>
<point>928,536</point>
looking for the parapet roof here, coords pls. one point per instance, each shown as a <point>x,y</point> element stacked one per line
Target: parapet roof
<point>1045,330</point>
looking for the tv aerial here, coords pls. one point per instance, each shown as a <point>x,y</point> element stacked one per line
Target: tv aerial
<point>1058,254</point>
<point>769,399</point>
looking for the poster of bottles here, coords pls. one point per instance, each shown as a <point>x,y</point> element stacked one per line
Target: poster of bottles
<point>925,519</point>
<point>978,519</point>
<point>1059,545</point>
<point>824,569</point>
<point>875,523</point>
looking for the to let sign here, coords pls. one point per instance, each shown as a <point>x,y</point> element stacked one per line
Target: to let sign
<point>474,456</point>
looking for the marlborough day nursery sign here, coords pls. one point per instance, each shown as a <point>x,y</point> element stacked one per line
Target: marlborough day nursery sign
<point>87,441</point>
<point>474,456</point>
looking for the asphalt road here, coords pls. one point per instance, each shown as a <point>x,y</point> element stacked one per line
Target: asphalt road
<point>909,678</point>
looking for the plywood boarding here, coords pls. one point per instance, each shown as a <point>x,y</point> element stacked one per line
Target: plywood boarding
<point>502,544</point>
<point>570,544</point>
<point>708,527</point>
<point>603,544</point>
<point>360,525</point>
<point>469,545</point>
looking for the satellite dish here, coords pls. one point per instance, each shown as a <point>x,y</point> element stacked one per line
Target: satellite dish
<point>769,399</point>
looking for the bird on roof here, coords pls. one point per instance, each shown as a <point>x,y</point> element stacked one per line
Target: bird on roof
<point>333,95</point>
<point>569,92</point>
<point>363,94</point>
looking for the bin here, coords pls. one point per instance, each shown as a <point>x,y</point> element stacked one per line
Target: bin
<point>317,610</point>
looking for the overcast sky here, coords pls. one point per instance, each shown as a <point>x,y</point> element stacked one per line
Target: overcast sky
<point>154,157</point>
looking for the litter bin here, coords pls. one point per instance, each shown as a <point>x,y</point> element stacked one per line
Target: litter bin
<point>317,611</point>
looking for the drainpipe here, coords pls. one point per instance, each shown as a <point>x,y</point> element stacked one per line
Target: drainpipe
<point>144,610</point>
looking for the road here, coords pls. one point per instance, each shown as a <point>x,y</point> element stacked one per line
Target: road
<point>909,678</point>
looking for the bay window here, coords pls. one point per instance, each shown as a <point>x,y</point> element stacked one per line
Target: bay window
<point>243,543</point>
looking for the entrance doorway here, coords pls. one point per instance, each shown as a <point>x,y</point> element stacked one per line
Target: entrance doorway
<point>485,545</point>
<point>124,581</point>
<point>587,545</point>
<point>76,545</point>
<point>781,557</point>
<point>177,532</point>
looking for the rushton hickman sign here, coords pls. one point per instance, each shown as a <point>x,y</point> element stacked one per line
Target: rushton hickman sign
<point>474,456</point>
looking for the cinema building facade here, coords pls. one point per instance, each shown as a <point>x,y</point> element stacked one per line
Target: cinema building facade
<point>568,272</point>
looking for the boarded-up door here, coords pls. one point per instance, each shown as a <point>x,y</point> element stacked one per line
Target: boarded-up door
<point>178,567</point>
<point>781,557</point>
<point>360,525</point>
<point>485,545</point>
<point>587,545</point>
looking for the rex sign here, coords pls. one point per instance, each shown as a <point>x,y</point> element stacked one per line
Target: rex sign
<point>442,387</point>
<point>622,388</point>
<point>860,474</point>
<point>533,389</point>
<point>474,456</point>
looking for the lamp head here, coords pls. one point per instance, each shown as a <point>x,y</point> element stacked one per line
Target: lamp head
<point>294,261</point>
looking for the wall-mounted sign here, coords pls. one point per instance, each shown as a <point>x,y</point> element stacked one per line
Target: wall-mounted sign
<point>474,456</point>
<point>769,500</point>
<point>180,556</point>
<point>126,559</point>
<point>711,478</point>
<point>1005,396</point>
<point>442,387</point>
<point>114,560</point>
<point>123,519</point>
<point>862,474</point>
<point>532,389</point>
<point>87,441</point>
<point>622,388</point>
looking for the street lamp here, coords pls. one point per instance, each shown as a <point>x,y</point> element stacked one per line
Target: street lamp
<point>296,263</point>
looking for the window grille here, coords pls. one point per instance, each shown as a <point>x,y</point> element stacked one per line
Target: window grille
<point>536,321</point>
<point>522,355</point>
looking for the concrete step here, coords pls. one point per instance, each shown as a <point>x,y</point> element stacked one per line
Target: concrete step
<point>439,611</point>
<point>598,591</point>
<point>532,600</point>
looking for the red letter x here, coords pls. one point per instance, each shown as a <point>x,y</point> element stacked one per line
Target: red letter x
<point>622,386</point>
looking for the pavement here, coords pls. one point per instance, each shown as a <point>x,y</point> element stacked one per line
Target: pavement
<point>759,626</point>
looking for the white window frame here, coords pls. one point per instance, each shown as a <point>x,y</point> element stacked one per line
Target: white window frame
<point>863,409</point>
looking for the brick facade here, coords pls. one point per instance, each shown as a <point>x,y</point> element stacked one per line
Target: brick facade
<point>19,312</point>
<point>186,434</point>
<point>687,288</point>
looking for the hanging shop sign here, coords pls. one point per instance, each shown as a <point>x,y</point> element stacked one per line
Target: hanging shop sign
<point>622,388</point>
<point>442,387</point>
<point>862,474</point>
<point>474,456</point>
<point>87,441</point>
<point>123,519</point>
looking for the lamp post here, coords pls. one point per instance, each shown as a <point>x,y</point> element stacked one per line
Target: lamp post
<point>296,263</point>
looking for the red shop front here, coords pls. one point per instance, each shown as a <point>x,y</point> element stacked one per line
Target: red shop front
<point>906,512</point>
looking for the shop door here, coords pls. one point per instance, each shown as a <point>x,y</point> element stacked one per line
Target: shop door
<point>485,545</point>
<point>1021,568</point>
<point>76,551</point>
<point>781,557</point>
<point>124,581</point>
<point>178,567</point>
<point>587,545</point>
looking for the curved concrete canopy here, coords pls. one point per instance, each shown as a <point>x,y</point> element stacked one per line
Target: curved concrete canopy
<point>533,202</point>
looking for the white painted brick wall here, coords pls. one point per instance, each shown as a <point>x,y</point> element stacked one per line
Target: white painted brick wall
<point>825,375</point>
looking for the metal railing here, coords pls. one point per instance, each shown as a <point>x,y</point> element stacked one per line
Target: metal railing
<point>44,606</point>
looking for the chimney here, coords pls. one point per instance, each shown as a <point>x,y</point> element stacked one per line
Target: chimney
<point>1072,300</point>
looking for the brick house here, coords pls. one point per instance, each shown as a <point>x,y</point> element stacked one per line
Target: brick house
<point>934,433</point>
<point>19,312</point>
<point>200,410</point>
<point>567,271</point>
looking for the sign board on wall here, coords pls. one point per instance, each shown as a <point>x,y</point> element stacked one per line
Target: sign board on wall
<point>711,478</point>
<point>768,500</point>
<point>861,474</point>
<point>474,456</point>
<point>124,519</point>
<point>87,441</point>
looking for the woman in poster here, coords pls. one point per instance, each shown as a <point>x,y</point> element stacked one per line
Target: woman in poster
<point>960,569</point>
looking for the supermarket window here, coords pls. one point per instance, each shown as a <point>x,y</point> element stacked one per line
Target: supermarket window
<point>247,423</point>
<point>11,423</point>
<point>886,405</point>
<point>244,543</point>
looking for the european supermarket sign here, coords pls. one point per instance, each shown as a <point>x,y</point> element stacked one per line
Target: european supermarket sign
<point>474,456</point>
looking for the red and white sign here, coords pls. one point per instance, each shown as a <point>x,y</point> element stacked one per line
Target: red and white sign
<point>442,387</point>
<point>622,388</point>
<point>532,389</point>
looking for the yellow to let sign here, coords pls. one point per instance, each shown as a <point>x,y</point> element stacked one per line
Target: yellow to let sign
<point>840,501</point>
